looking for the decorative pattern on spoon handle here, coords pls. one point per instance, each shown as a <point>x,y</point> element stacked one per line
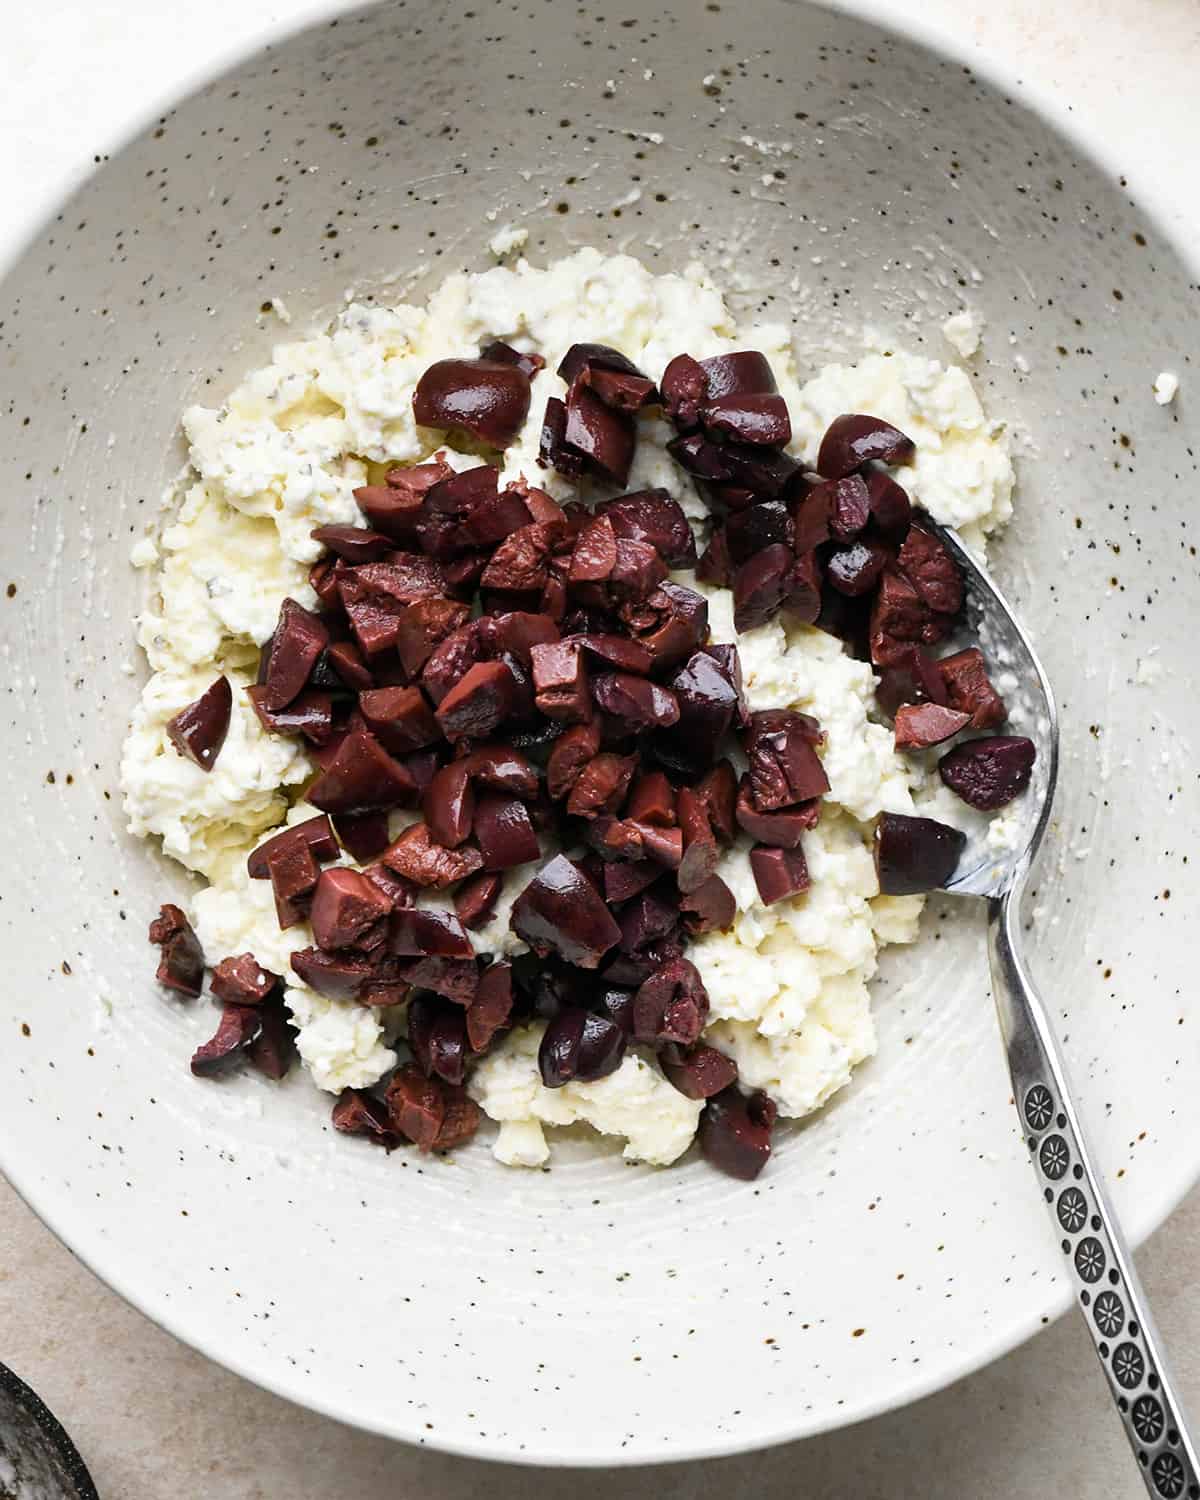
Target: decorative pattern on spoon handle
<point>1096,1259</point>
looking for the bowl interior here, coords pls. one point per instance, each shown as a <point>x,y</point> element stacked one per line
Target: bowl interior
<point>838,177</point>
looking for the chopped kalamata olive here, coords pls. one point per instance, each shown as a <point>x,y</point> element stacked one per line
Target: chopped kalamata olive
<point>393,507</point>
<point>362,777</point>
<point>637,571</point>
<point>635,968</point>
<point>601,785</point>
<point>579,1044</point>
<point>363,835</point>
<point>561,683</point>
<point>759,526</point>
<point>716,565</point>
<point>346,660</point>
<point>849,507</point>
<point>452,658</point>
<point>316,834</point>
<point>652,800</point>
<point>448,803</point>
<point>309,714</point>
<point>854,570</point>
<point>358,1113</point>
<point>737,374</point>
<point>684,390</point>
<point>709,908</point>
<point>644,920</point>
<point>520,563</point>
<point>779,873</point>
<point>698,1072</point>
<point>181,961</point>
<point>913,855</point>
<point>735,1133</point>
<point>708,703</point>
<point>437,1035</point>
<point>670,624</point>
<point>345,907</point>
<point>455,978</point>
<point>237,1028</point>
<point>299,639</point>
<point>478,703</point>
<point>337,976</point>
<point>460,1118</point>
<point>760,585</point>
<point>503,832</point>
<point>900,615</point>
<point>784,767</point>
<point>420,626</point>
<point>624,839</point>
<point>273,1050</point>
<point>671,1005</point>
<point>427,932</point>
<point>812,514</point>
<point>517,632</point>
<point>617,650</point>
<point>891,508</point>
<point>846,618</point>
<point>504,769</point>
<point>490,1011</point>
<point>561,911</point>
<point>418,857</point>
<point>920,725</point>
<point>988,773</point>
<point>553,452</point>
<point>475,899</point>
<point>854,439</point>
<point>718,790</point>
<point>353,543</point>
<point>802,588</point>
<point>749,418</point>
<point>484,397</point>
<point>581,358</point>
<point>969,689</point>
<point>594,554</point>
<point>700,851</point>
<point>400,892</point>
<point>416,1106</point>
<point>617,1005</point>
<point>655,518</point>
<point>323,580</point>
<point>624,879</point>
<point>464,523</point>
<point>294,874</point>
<point>914,677</point>
<point>198,731</point>
<point>594,432</point>
<point>641,703</point>
<point>505,354</point>
<point>928,566</point>
<point>571,753</point>
<point>782,829</point>
<point>400,718</point>
<point>242,981</point>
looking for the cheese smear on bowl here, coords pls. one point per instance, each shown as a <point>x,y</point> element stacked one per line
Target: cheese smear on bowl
<point>789,983</point>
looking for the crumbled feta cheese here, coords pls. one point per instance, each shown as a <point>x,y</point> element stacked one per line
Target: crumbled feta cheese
<point>1166,385</point>
<point>962,331</point>
<point>506,240</point>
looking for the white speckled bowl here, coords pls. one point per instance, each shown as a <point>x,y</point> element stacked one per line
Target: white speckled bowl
<point>598,1313</point>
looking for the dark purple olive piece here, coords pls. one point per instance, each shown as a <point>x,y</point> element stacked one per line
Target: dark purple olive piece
<point>617,1005</point>
<point>363,835</point>
<point>735,1133</point>
<point>400,718</point>
<point>478,703</point>
<point>656,518</point>
<point>337,976</point>
<point>601,785</point>
<point>299,639</point>
<point>420,858</point>
<point>553,452</point>
<point>969,689</point>
<point>624,879</point>
<point>891,509</point>
<point>698,1072</point>
<point>581,357</point>
<point>309,714</point>
<point>421,626</point>
<point>579,1044</point>
<point>709,908</point>
<point>346,660</point>
<point>749,418</point>
<point>783,829</point>
<point>237,1028</point>
<point>504,354</point>
<point>671,1005</point>
<point>759,586</point>
<point>914,677</point>
<point>717,788</point>
<point>503,832</point>
<point>913,855</point>
<point>742,373</point>
<point>416,1106</point>
<point>517,632</point>
<point>358,1113</point>
<point>316,834</point>
<point>779,873</point>
<point>616,650</point>
<point>455,979</point>
<point>427,932</point>
<point>700,851</point>
<point>652,800</point>
<point>198,731</point>
<point>242,981</point>
<point>926,563</point>
<point>571,753</point>
<point>294,874</point>
<point>485,397</point>
<point>716,565</point>
<point>849,507</point>
<point>181,961</point>
<point>346,906</point>
<point>644,920</point>
<point>670,624</point>
<point>684,387</point>
<point>504,769</point>
<point>273,1050</point>
<point>561,911</point>
<point>628,393</point>
<point>448,803</point>
<point>490,1011</point>
<point>802,588</point>
<point>899,616</point>
<point>854,439</point>
<point>854,570</point>
<point>393,508</point>
<point>475,899</point>
<point>812,513</point>
<point>400,892</point>
<point>784,767</point>
<point>362,777</point>
<point>638,701</point>
<point>989,773</point>
<point>437,1035</point>
<point>594,554</point>
<point>762,525</point>
<point>354,543</point>
<point>602,437</point>
<point>920,725</point>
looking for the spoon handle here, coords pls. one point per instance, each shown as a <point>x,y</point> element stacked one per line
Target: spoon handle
<point>1098,1262</point>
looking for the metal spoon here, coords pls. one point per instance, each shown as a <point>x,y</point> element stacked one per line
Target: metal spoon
<point>1099,1263</point>
<point>38,1461</point>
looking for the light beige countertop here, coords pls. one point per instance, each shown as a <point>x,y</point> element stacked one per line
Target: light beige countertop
<point>157,1422</point>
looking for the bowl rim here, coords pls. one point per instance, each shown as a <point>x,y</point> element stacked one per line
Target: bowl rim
<point>55,1434</point>
<point>1141,1218</point>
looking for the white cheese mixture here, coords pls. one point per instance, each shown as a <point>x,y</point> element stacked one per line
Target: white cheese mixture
<point>788,984</point>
